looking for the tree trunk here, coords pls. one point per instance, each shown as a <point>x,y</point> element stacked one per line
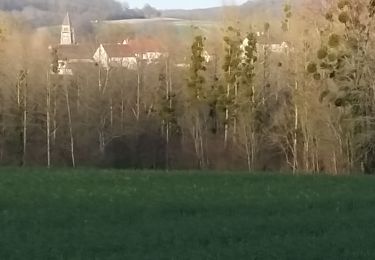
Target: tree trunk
<point>48,121</point>
<point>24,123</point>
<point>248,150</point>
<point>226,130</point>
<point>295,135</point>
<point>54,120</point>
<point>70,125</point>
<point>122,111</point>
<point>168,75</point>
<point>139,82</point>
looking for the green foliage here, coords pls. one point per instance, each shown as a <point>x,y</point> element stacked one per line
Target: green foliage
<point>166,106</point>
<point>332,57</point>
<point>329,16</point>
<point>339,102</point>
<point>353,43</point>
<point>233,53</point>
<point>344,17</point>
<point>312,68</point>
<point>232,67</point>
<point>197,80</point>
<point>287,17</point>
<point>248,65</point>
<point>371,8</point>
<point>343,3</point>
<point>288,9</point>
<point>317,76</point>
<point>322,53</point>
<point>334,40</point>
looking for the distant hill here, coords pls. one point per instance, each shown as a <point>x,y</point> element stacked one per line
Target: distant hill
<point>41,13</point>
<point>51,12</point>
<point>214,13</point>
<point>271,7</point>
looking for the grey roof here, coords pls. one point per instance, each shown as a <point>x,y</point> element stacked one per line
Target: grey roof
<point>118,50</point>
<point>66,20</point>
<point>75,52</point>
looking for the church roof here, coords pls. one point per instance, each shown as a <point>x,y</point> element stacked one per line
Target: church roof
<point>67,20</point>
<point>118,50</point>
<point>75,52</point>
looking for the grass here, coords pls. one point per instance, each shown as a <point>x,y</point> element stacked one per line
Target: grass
<point>97,214</point>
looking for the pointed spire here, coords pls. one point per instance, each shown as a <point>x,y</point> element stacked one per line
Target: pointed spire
<point>67,32</point>
<point>66,21</point>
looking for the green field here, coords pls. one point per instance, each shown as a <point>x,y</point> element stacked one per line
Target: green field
<point>93,214</point>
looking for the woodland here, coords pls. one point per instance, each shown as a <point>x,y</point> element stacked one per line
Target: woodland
<point>307,109</point>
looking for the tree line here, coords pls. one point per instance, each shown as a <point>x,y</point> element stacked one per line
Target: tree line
<point>308,108</point>
<point>47,12</point>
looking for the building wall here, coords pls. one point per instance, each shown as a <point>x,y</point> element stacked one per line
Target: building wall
<point>129,63</point>
<point>66,35</point>
<point>101,57</point>
<point>150,57</point>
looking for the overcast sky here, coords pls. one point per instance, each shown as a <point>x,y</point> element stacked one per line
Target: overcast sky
<point>180,4</point>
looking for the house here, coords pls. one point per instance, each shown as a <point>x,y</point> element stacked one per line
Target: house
<point>147,49</point>
<point>185,63</point>
<point>129,53</point>
<point>69,51</point>
<point>278,47</point>
<point>115,55</point>
<point>69,55</point>
<point>282,47</point>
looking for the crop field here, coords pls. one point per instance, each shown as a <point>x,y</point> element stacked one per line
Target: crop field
<point>103,214</point>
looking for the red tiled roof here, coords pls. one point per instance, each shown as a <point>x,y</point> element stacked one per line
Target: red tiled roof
<point>139,45</point>
<point>146,45</point>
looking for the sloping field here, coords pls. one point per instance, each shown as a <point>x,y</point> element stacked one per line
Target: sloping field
<point>97,214</point>
<point>202,24</point>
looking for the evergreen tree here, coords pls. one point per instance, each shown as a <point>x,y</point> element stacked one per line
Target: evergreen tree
<point>196,99</point>
<point>232,71</point>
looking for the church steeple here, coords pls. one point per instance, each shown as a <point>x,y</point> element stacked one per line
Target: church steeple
<point>66,21</point>
<point>67,32</point>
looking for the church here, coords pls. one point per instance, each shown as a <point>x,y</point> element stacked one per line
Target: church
<point>69,52</point>
<point>67,32</point>
<point>126,54</point>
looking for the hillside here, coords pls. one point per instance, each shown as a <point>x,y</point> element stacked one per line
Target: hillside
<point>47,12</point>
<point>269,7</point>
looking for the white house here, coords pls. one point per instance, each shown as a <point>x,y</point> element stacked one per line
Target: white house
<point>278,47</point>
<point>147,49</point>
<point>129,53</point>
<point>115,55</point>
<point>282,47</point>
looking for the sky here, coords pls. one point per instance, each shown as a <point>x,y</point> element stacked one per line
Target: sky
<point>180,4</point>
